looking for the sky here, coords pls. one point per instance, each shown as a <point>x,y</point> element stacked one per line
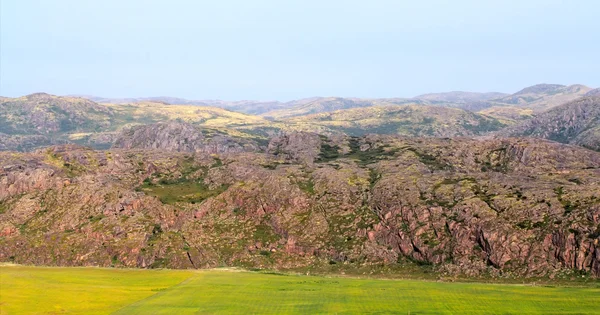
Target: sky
<point>284,50</point>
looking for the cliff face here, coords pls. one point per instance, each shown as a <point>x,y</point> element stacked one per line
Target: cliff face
<point>503,207</point>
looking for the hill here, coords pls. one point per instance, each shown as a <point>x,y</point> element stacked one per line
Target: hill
<point>577,122</point>
<point>182,137</point>
<point>499,208</point>
<point>41,119</point>
<point>47,114</point>
<point>407,120</point>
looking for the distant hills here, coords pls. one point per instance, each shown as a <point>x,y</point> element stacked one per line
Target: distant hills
<point>461,97</point>
<point>330,104</point>
<point>537,98</point>
<point>41,119</point>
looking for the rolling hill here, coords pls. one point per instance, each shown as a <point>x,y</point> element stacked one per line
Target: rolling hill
<point>407,120</point>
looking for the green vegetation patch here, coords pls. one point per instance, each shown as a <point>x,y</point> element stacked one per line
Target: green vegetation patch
<point>3,207</point>
<point>307,186</point>
<point>328,152</point>
<point>369,156</point>
<point>181,191</point>
<point>27,290</point>
<point>41,290</point>
<point>432,162</point>
<point>186,188</point>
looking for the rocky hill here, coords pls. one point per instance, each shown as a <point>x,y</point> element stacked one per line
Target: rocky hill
<point>407,120</point>
<point>577,122</point>
<point>503,208</point>
<point>47,114</point>
<point>181,137</point>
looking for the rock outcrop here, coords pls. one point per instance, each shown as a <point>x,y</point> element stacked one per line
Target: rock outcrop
<point>180,137</point>
<point>500,207</point>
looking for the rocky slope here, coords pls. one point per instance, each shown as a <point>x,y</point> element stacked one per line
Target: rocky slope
<point>512,207</point>
<point>577,122</point>
<point>181,137</point>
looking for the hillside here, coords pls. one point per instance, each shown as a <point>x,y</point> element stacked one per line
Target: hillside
<point>46,114</point>
<point>42,119</point>
<point>499,208</point>
<point>407,120</point>
<point>507,114</point>
<point>577,122</point>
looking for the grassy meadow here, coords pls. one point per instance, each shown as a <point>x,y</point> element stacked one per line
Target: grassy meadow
<point>42,290</point>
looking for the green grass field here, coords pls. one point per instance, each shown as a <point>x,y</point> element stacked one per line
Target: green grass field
<point>40,290</point>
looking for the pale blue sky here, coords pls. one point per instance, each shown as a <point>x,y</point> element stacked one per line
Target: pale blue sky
<point>276,49</point>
